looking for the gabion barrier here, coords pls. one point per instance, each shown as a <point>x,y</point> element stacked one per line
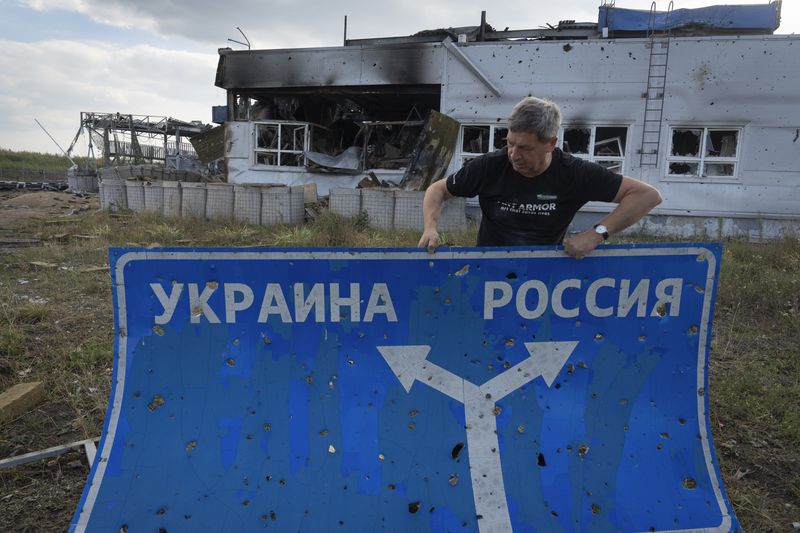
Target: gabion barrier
<point>258,204</point>
<point>388,208</point>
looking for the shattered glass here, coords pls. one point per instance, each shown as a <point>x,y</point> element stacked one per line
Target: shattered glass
<point>291,160</point>
<point>576,140</point>
<point>610,141</point>
<point>475,139</point>
<point>721,143</point>
<point>500,135</point>
<point>267,158</point>
<point>615,166</point>
<point>684,169</point>
<point>267,136</point>
<point>686,142</point>
<point>717,169</point>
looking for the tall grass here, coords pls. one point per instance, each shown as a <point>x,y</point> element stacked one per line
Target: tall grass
<point>11,159</point>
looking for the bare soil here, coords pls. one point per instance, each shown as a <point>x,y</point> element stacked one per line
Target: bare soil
<point>19,209</point>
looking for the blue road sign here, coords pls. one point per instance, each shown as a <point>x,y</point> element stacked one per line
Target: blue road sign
<point>363,390</point>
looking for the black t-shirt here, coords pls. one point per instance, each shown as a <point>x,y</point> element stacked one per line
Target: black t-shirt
<point>521,211</point>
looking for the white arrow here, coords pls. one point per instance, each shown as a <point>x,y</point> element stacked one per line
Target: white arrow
<point>546,360</point>
<point>409,364</point>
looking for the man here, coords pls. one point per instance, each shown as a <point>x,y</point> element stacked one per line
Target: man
<point>530,191</point>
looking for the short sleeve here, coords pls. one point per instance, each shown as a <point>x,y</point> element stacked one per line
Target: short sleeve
<point>467,181</point>
<point>596,183</point>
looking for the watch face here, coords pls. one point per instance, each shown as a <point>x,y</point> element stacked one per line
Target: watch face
<point>600,229</point>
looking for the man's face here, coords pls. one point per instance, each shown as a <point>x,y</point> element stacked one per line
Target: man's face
<point>528,155</point>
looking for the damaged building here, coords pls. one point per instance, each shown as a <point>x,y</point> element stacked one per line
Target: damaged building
<point>701,103</point>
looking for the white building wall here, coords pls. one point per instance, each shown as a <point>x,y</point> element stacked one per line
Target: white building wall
<point>748,82</point>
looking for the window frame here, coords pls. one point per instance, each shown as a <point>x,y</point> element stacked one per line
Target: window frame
<point>464,157</point>
<point>590,156</point>
<point>702,159</point>
<point>279,150</point>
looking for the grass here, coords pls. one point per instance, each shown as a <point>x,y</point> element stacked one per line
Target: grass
<point>11,159</point>
<point>56,326</point>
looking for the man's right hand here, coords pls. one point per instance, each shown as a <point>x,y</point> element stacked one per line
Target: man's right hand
<point>429,240</point>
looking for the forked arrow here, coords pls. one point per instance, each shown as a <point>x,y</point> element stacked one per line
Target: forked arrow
<point>410,364</point>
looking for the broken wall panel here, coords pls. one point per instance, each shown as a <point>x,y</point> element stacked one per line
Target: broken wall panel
<point>433,152</point>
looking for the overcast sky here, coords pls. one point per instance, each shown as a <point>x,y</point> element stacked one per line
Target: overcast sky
<point>159,57</point>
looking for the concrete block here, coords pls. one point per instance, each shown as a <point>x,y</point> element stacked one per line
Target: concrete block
<point>153,197</point>
<point>219,201</point>
<point>310,193</point>
<point>193,200</point>
<point>408,210</point>
<point>453,216</point>
<point>172,198</point>
<point>113,195</point>
<point>247,203</point>
<point>135,193</point>
<point>20,399</point>
<point>345,202</point>
<point>276,205</point>
<point>297,205</point>
<point>378,203</point>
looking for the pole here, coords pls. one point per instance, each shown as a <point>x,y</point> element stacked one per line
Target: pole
<point>56,143</point>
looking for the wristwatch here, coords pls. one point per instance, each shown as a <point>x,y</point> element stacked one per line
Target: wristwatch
<point>601,230</point>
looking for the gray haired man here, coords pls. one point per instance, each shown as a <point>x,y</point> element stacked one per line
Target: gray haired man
<point>530,190</point>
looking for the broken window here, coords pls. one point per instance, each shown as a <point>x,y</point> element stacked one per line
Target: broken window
<point>479,139</point>
<point>604,145</point>
<point>703,152</point>
<point>388,144</point>
<point>281,143</point>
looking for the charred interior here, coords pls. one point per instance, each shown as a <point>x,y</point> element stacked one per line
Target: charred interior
<point>383,121</point>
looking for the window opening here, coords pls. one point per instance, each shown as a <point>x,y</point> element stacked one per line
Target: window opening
<point>479,139</point>
<point>281,143</point>
<point>703,152</point>
<point>604,145</point>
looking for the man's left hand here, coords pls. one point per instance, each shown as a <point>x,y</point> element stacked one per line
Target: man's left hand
<point>582,244</point>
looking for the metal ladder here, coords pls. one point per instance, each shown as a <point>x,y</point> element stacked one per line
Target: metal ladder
<point>656,81</point>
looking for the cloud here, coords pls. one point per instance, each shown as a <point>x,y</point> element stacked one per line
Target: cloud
<point>285,23</point>
<point>90,69</point>
<point>55,80</point>
<point>293,23</point>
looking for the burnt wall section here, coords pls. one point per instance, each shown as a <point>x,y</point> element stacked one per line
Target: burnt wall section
<point>408,64</point>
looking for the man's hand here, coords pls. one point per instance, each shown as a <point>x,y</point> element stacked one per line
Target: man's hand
<point>582,244</point>
<point>429,240</point>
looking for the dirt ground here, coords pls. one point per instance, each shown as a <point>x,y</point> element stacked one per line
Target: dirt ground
<point>17,209</point>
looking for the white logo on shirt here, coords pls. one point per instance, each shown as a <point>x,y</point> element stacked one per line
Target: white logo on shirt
<point>527,209</point>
